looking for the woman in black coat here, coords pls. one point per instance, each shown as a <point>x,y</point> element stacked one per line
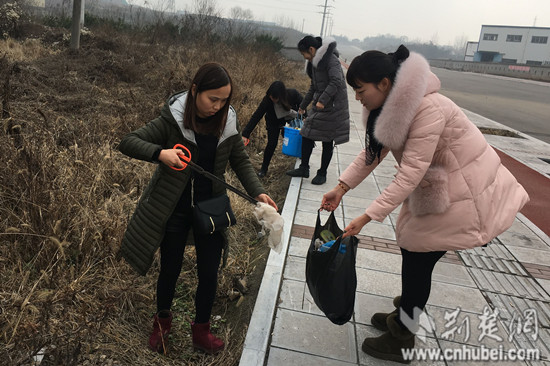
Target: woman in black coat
<point>279,105</point>
<point>328,119</point>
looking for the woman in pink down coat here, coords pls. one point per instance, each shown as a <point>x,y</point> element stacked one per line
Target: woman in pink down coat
<point>454,191</point>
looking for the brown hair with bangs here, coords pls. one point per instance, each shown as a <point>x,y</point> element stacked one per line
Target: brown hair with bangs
<point>209,76</point>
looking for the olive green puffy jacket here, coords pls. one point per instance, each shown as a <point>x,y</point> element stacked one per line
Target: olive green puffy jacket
<point>147,226</point>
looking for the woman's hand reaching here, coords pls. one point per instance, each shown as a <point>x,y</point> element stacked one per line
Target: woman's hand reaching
<point>332,199</point>
<point>266,199</point>
<point>356,225</point>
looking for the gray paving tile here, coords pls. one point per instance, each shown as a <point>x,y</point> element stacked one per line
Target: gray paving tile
<point>520,228</point>
<point>353,212</point>
<point>284,357</point>
<point>295,268</point>
<point>378,283</point>
<point>332,181</point>
<point>453,274</point>
<point>357,202</point>
<point>385,170</point>
<point>526,240</point>
<point>315,335</point>
<point>292,295</point>
<point>380,261</point>
<point>377,230</point>
<point>351,149</point>
<point>545,284</point>
<point>534,256</point>
<point>366,305</point>
<point>298,246</point>
<point>504,283</point>
<point>450,296</point>
<point>346,159</point>
<point>368,191</point>
<point>306,205</point>
<point>311,195</point>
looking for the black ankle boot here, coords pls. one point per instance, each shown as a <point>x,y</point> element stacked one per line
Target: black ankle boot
<point>299,172</point>
<point>320,178</point>
<point>378,320</point>
<point>389,345</point>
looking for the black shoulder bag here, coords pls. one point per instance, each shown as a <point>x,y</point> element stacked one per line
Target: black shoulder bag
<point>213,214</point>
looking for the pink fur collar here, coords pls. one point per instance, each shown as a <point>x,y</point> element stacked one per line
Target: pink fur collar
<point>414,80</point>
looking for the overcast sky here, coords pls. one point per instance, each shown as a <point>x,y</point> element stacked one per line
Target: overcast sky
<point>440,21</point>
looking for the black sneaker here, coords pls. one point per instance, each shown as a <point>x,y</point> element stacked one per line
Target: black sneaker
<point>319,179</point>
<point>261,173</point>
<point>299,172</point>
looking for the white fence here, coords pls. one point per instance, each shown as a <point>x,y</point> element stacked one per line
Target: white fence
<point>541,73</point>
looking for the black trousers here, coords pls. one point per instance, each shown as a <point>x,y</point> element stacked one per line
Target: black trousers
<point>272,140</point>
<point>208,251</point>
<point>326,156</point>
<point>416,279</point>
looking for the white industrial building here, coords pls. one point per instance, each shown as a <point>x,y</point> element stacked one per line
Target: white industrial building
<point>513,45</point>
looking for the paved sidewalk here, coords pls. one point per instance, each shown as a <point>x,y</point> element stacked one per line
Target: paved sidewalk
<point>508,282</point>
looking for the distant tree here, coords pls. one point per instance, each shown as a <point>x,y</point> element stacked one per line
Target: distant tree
<point>239,13</point>
<point>207,17</point>
<point>460,45</point>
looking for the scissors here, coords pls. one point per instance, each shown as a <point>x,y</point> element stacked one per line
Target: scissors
<point>185,158</point>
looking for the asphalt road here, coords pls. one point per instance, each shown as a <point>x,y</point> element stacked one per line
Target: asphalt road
<point>523,105</point>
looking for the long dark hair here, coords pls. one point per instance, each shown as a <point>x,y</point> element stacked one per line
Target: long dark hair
<point>373,67</point>
<point>209,76</point>
<point>277,90</point>
<point>309,41</point>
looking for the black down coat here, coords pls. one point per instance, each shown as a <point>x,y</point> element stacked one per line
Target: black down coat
<point>328,86</point>
<point>147,225</point>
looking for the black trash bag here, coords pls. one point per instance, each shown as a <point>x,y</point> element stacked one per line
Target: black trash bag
<point>330,275</point>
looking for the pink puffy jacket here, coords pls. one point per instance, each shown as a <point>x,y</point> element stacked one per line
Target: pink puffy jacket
<point>455,192</point>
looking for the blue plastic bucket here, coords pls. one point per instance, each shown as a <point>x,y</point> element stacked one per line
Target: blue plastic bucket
<point>292,142</point>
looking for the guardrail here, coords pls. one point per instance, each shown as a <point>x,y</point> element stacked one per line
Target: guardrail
<point>541,73</point>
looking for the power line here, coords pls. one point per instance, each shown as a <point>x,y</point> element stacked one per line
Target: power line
<point>277,7</point>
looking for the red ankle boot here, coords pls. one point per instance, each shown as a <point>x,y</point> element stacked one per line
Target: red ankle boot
<point>161,328</point>
<point>204,340</point>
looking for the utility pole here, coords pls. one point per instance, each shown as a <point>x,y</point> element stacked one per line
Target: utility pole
<point>324,15</point>
<point>76,24</point>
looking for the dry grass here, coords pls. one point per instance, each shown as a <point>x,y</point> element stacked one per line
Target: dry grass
<point>498,132</point>
<point>66,195</point>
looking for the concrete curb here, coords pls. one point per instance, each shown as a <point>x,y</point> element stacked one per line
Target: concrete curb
<point>261,322</point>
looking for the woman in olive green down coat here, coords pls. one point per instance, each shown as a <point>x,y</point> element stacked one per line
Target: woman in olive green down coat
<point>203,121</point>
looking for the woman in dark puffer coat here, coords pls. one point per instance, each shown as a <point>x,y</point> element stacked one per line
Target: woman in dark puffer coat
<point>204,122</point>
<point>328,120</point>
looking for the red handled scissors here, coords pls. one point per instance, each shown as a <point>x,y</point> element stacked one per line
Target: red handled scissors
<point>185,156</point>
